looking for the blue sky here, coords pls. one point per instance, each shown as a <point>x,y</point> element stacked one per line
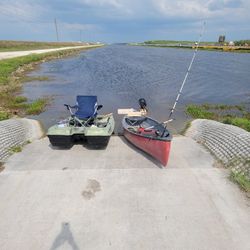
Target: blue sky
<point>123,20</point>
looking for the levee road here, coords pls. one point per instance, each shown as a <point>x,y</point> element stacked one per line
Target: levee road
<point>12,54</point>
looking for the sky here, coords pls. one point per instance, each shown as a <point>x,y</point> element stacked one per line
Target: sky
<point>114,21</point>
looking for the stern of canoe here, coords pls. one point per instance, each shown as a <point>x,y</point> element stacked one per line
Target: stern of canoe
<point>158,149</point>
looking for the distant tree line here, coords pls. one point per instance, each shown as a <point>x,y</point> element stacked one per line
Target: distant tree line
<point>242,42</point>
<point>166,42</point>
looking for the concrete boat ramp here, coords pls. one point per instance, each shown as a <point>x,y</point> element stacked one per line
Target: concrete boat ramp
<point>119,198</point>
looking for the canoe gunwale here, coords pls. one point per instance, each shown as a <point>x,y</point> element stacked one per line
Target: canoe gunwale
<point>126,126</point>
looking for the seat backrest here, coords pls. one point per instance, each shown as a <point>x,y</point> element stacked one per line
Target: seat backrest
<point>86,106</point>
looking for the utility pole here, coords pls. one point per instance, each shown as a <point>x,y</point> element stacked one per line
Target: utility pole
<point>80,35</point>
<point>57,37</point>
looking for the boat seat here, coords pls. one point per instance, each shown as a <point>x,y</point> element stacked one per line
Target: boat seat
<point>133,129</point>
<point>135,121</point>
<point>86,107</point>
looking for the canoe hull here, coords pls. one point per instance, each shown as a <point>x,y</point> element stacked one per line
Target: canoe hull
<point>158,149</point>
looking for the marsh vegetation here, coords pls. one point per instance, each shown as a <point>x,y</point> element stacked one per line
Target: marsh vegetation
<point>237,115</point>
<point>12,76</point>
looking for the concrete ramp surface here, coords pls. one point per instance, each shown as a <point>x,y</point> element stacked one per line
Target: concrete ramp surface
<point>119,198</point>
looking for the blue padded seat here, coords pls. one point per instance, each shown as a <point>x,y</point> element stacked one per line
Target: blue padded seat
<point>86,106</point>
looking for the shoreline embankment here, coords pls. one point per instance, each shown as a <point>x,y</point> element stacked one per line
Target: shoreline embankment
<point>13,73</point>
<point>13,54</point>
<point>229,144</point>
<point>231,49</point>
<point>17,132</point>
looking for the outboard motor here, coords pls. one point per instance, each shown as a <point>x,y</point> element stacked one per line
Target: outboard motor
<point>143,104</point>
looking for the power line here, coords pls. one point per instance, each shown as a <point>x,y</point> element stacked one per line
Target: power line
<point>57,37</point>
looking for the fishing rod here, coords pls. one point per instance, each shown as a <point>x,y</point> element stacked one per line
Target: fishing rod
<point>185,79</point>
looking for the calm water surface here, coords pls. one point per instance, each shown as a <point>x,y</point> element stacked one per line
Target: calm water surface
<point>120,75</point>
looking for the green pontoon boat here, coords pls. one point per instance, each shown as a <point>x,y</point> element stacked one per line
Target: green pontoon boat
<point>84,125</point>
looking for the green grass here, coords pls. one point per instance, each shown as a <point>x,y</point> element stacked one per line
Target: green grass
<point>36,107</point>
<point>199,112</point>
<point>21,104</point>
<point>187,126</point>
<point>20,99</point>
<point>29,45</point>
<point>16,149</point>
<point>17,102</point>
<point>19,148</point>
<point>35,78</point>
<point>167,42</point>
<point>238,121</point>
<point>162,42</point>
<point>208,106</point>
<point>13,73</point>
<point>236,115</point>
<point>4,115</point>
<point>209,46</point>
<point>241,180</point>
<point>8,66</point>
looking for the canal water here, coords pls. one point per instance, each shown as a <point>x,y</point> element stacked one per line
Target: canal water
<point>120,74</point>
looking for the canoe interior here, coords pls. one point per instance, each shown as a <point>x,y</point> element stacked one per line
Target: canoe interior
<point>146,127</point>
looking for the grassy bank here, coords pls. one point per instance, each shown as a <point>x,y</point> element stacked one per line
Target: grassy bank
<point>26,45</point>
<point>207,48</point>
<point>12,75</point>
<point>210,46</point>
<point>241,180</point>
<point>173,42</point>
<point>237,115</point>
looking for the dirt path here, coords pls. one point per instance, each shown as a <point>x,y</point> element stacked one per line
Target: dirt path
<point>12,54</point>
<point>119,198</point>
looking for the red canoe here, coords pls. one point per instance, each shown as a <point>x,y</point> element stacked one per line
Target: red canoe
<point>148,135</point>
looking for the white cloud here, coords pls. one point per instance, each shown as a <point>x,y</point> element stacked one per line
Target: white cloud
<point>180,8</point>
<point>199,8</point>
<point>143,17</point>
<point>134,9</point>
<point>20,10</point>
<point>119,8</point>
<point>79,26</point>
<point>101,3</point>
<point>171,9</point>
